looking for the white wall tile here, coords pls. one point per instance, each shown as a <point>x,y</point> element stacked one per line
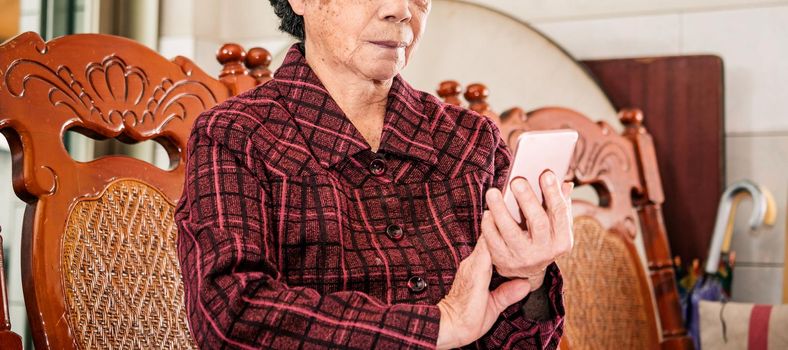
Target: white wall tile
<point>30,6</point>
<point>555,10</point>
<point>764,160</point>
<point>617,37</point>
<point>762,285</point>
<point>29,22</point>
<point>177,18</point>
<point>249,19</point>
<point>207,18</point>
<point>205,55</point>
<point>753,46</point>
<point>171,46</point>
<point>18,316</point>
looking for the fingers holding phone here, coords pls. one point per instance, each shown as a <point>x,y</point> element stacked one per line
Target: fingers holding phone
<point>519,253</point>
<point>558,206</point>
<point>529,225</point>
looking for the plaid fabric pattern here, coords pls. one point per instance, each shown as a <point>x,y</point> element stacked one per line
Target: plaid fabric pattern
<point>294,234</point>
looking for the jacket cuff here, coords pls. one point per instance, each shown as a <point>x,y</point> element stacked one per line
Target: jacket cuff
<point>516,329</point>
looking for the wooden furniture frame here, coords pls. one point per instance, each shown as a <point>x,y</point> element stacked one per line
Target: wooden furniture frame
<point>99,265</point>
<point>623,170</point>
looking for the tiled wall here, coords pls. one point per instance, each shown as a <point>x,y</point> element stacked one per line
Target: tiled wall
<point>541,11</point>
<point>30,12</point>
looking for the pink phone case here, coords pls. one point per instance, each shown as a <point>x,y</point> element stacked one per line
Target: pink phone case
<point>536,152</point>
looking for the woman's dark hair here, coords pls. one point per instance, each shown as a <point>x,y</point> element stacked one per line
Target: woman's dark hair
<point>291,22</point>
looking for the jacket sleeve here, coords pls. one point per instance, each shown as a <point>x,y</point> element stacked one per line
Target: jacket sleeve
<point>518,328</point>
<point>234,294</point>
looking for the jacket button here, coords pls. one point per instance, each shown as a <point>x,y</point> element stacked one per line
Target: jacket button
<point>395,232</point>
<point>377,167</point>
<point>417,284</point>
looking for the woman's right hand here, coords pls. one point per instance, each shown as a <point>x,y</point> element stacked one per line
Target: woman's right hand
<point>470,308</point>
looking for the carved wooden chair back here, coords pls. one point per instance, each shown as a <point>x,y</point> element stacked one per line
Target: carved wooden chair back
<point>99,263</point>
<point>612,300</point>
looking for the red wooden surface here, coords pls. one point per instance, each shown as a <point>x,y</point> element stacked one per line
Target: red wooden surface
<point>683,98</point>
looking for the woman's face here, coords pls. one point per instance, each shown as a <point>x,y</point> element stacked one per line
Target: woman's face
<point>370,38</point>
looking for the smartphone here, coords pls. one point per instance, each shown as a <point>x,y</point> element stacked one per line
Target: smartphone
<point>535,153</point>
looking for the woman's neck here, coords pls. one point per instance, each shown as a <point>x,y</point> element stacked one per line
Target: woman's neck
<point>362,100</point>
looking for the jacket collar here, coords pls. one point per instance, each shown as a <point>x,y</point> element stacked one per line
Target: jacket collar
<point>330,134</point>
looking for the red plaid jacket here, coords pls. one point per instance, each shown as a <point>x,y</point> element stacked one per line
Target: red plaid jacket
<point>293,233</point>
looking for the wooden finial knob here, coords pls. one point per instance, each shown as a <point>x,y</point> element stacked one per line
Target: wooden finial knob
<point>257,61</point>
<point>516,115</point>
<point>449,88</point>
<point>631,117</point>
<point>450,91</point>
<point>258,57</point>
<point>477,93</point>
<point>230,52</point>
<point>231,56</point>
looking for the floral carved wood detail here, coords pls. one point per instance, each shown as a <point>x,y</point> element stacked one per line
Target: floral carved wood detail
<point>101,86</point>
<point>112,97</point>
<point>593,159</point>
<point>602,159</point>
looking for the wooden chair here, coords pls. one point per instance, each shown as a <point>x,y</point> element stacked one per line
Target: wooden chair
<point>610,302</point>
<point>99,263</point>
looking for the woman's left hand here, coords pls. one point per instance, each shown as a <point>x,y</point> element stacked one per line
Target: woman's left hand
<point>526,254</point>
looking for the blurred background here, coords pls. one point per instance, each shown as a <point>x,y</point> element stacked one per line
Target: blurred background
<point>530,53</point>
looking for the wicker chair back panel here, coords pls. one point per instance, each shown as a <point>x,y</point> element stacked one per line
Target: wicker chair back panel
<point>121,275</point>
<point>607,299</point>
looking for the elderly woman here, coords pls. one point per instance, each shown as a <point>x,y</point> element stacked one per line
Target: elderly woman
<point>338,207</point>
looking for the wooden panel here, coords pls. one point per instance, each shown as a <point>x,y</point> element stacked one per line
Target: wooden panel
<point>682,99</point>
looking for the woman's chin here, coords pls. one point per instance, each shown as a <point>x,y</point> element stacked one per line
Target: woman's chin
<point>382,72</point>
<point>379,64</point>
